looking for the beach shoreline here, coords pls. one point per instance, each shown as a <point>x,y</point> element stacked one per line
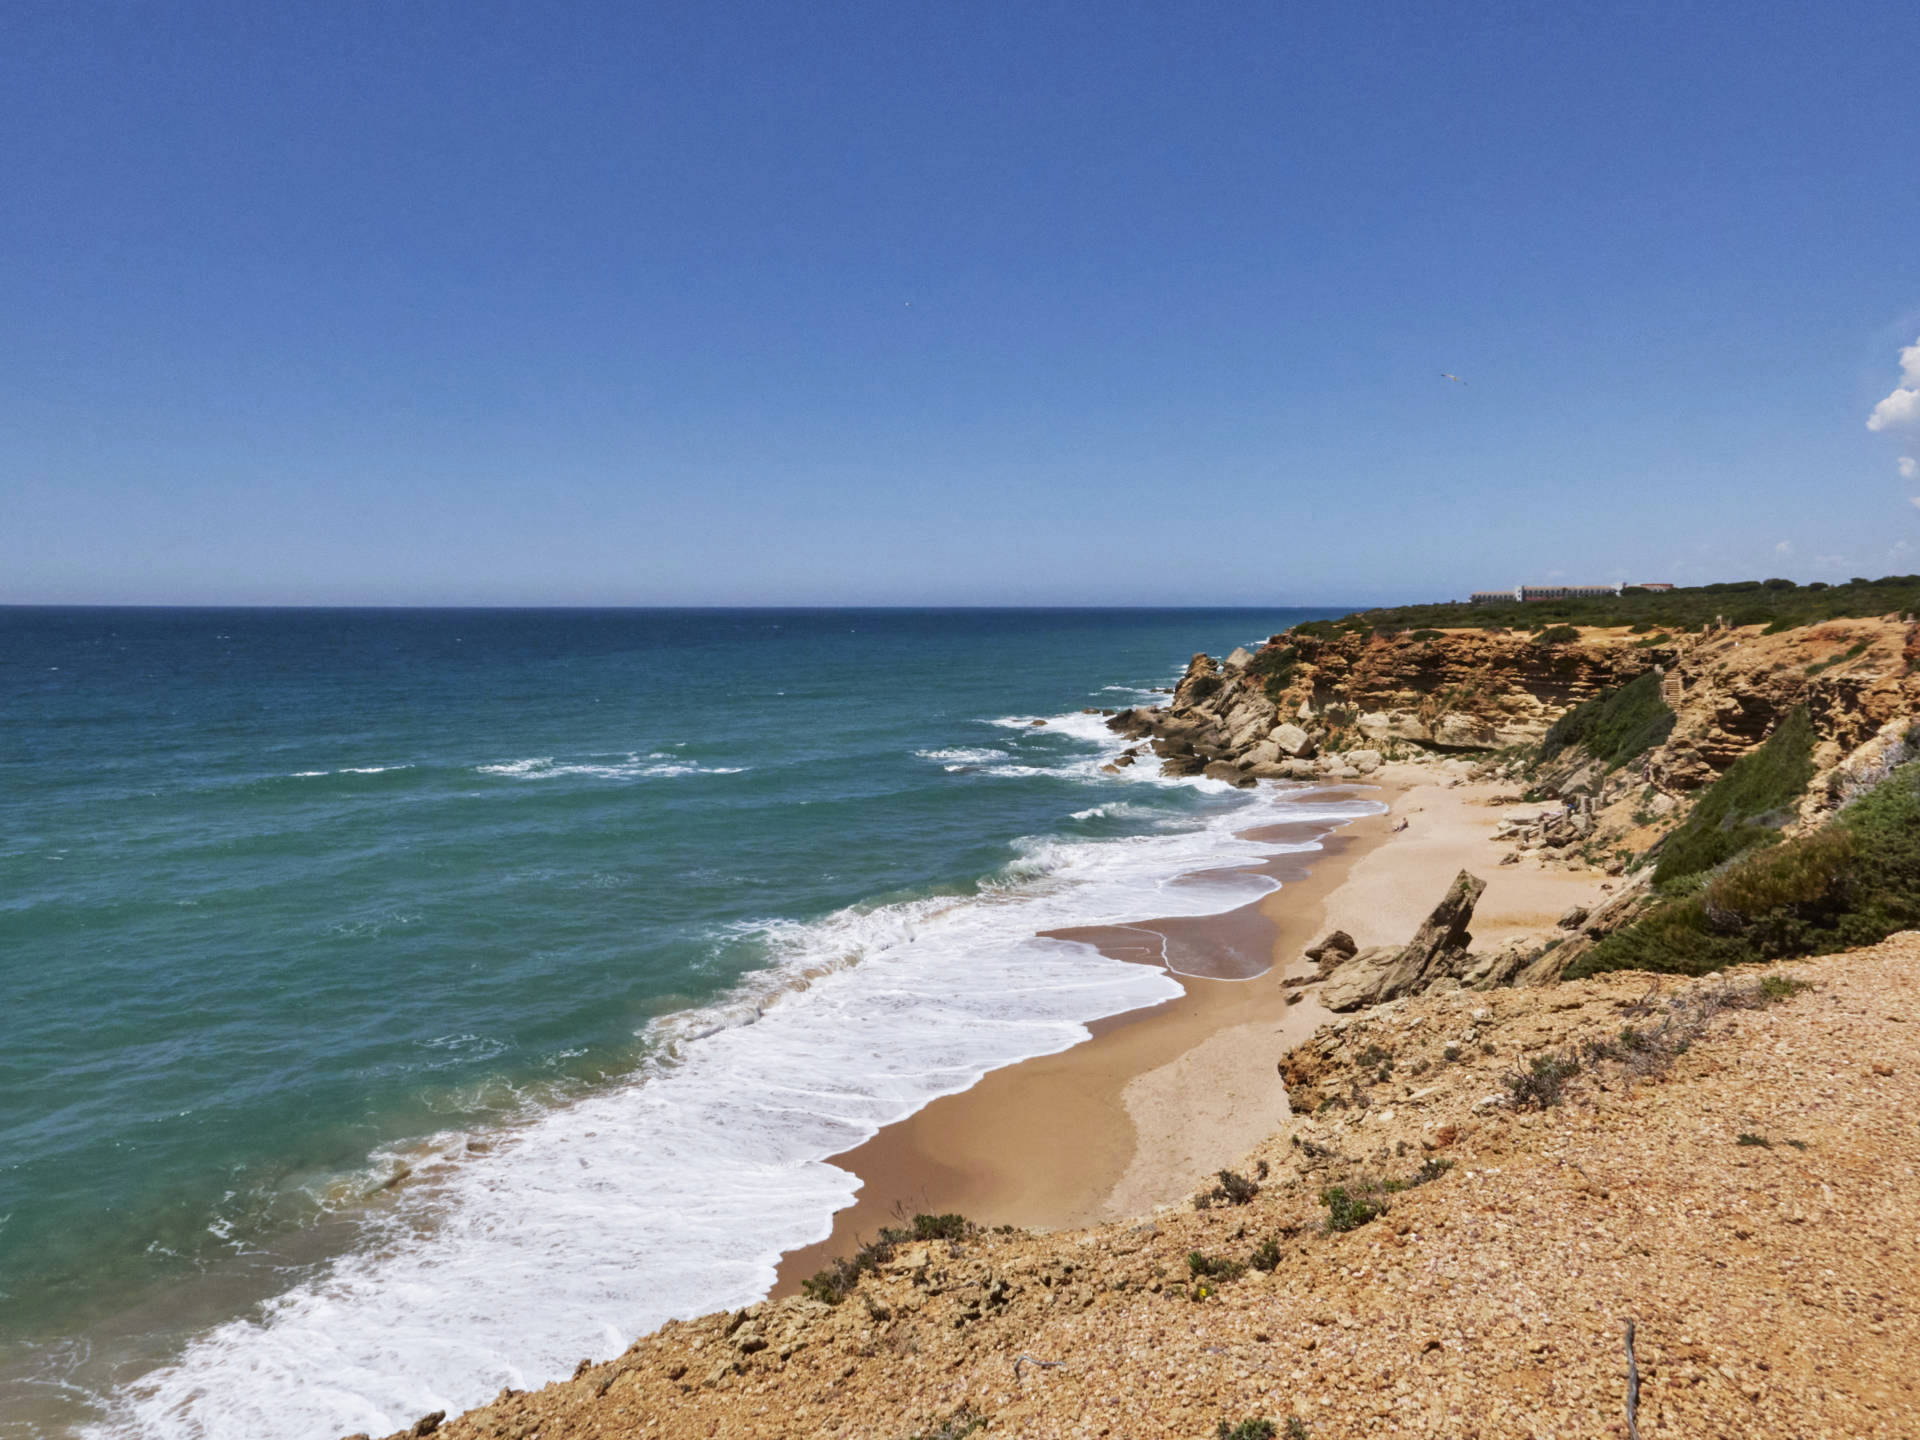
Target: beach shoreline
<point>1156,1100</point>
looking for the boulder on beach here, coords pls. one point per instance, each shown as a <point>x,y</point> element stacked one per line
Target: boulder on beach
<point>1292,741</point>
<point>1438,948</point>
<point>1333,947</point>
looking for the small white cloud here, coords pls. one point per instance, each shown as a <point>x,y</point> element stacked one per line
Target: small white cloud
<point>1785,547</point>
<point>1897,411</point>
<point>1902,408</point>
<point>1900,547</point>
<point>1909,468</point>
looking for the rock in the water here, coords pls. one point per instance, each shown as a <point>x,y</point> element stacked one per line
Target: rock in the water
<point>1292,741</point>
<point>1179,766</point>
<point>1265,753</point>
<point>1228,771</point>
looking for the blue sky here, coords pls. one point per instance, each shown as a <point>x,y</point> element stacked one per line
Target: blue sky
<point>950,303</point>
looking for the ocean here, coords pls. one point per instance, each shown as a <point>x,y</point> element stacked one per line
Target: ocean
<point>398,1005</point>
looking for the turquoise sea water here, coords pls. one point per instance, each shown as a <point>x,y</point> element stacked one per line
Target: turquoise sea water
<point>598,930</point>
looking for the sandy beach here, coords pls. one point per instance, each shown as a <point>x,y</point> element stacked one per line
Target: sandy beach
<point>1137,1116</point>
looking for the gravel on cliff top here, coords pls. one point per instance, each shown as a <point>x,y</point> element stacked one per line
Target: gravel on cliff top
<point>1774,1279</point>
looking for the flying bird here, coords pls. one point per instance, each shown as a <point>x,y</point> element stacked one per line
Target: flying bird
<point>1447,375</point>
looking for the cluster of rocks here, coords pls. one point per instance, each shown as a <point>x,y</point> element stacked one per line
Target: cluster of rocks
<point>1222,724</point>
<point>1570,823</point>
<point>1438,957</point>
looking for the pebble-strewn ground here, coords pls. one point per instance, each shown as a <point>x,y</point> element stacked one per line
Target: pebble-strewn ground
<point>1775,1285</point>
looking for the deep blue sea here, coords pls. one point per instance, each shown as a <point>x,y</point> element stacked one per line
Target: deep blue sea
<point>402,1004</point>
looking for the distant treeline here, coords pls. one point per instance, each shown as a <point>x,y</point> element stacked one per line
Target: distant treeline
<point>1779,604</point>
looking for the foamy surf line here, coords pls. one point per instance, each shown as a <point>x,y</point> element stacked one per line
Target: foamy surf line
<point>675,1193</point>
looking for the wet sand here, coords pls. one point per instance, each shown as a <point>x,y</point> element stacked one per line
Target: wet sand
<point>1088,1133</point>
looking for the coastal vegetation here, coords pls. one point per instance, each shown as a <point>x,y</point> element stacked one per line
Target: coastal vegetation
<point>839,1279</point>
<point>1850,884</point>
<point>1616,725</point>
<point>1777,604</point>
<point>1745,806</point>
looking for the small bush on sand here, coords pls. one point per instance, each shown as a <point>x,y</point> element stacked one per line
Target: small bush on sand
<point>1540,1084</point>
<point>957,1426</point>
<point>1233,1189</point>
<point>1266,1255</point>
<point>1780,987</point>
<point>1247,1430</point>
<point>840,1279</point>
<point>1348,1212</point>
<point>1213,1267</point>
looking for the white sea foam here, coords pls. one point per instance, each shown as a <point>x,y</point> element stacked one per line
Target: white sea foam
<point>958,757</point>
<point>606,767</point>
<point>349,770</point>
<point>675,1193</point>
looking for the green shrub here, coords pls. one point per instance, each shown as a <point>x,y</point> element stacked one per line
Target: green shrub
<point>839,1279</point>
<point>1558,635</point>
<point>1775,988</point>
<point>1687,608</point>
<point>1247,1430</point>
<point>1540,1085</point>
<point>1744,806</point>
<point>1852,652</point>
<point>1275,667</point>
<point>1233,1189</point>
<point>1348,1212</point>
<point>1616,725</point>
<point>1426,635</point>
<point>1266,1255</point>
<point>1213,1267</point>
<point>1854,883</point>
<point>957,1426</point>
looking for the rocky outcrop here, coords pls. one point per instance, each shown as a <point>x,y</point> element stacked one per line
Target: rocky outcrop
<point>1313,706</point>
<point>1438,949</point>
